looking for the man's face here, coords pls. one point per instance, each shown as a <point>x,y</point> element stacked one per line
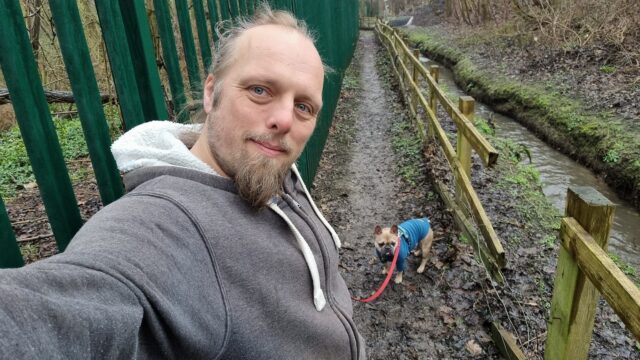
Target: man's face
<point>267,108</point>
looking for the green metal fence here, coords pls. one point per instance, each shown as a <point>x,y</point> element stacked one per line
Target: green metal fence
<point>132,58</point>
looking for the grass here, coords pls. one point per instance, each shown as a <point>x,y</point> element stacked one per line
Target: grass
<point>15,166</point>
<point>408,146</point>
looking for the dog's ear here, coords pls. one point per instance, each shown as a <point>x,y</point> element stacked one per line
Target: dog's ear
<point>378,230</point>
<point>394,229</point>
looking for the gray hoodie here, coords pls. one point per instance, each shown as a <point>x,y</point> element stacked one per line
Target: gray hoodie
<point>181,267</point>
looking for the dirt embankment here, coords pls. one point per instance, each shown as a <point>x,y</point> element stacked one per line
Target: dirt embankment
<point>364,180</point>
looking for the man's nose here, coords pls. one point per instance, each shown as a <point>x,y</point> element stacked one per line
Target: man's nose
<point>281,117</point>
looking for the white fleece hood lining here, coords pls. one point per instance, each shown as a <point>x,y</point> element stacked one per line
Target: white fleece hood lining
<point>160,143</point>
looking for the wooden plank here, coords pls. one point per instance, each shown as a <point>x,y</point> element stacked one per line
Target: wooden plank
<point>466,105</point>
<point>121,63</point>
<point>56,96</point>
<point>10,256</point>
<point>619,291</point>
<point>574,297</point>
<point>506,343</point>
<point>189,48</point>
<point>170,56</point>
<point>75,54</point>
<point>38,133</point>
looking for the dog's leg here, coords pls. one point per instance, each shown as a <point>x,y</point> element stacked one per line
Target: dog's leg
<point>385,270</point>
<point>398,278</point>
<point>425,247</point>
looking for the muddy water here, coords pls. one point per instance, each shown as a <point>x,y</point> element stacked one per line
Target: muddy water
<point>558,172</point>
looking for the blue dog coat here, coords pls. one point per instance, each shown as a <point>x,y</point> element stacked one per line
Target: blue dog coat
<point>411,232</point>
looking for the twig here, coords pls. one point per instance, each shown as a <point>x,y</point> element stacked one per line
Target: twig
<point>29,221</point>
<point>34,238</point>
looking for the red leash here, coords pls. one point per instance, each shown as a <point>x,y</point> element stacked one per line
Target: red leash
<point>386,280</point>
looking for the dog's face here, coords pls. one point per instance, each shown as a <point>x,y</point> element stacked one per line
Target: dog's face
<point>385,241</point>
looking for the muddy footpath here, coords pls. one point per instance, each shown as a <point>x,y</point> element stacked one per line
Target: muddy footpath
<point>445,312</point>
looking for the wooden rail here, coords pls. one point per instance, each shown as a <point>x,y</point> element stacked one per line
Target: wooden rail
<point>584,272</point>
<point>490,250</point>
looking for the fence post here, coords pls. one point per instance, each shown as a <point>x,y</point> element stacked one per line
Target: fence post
<point>10,256</point>
<point>466,104</point>
<point>414,96</point>
<point>188,47</point>
<point>574,300</point>
<point>434,70</point>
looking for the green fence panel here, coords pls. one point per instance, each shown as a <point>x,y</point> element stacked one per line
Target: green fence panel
<point>244,9</point>
<point>336,26</point>
<point>10,256</point>
<point>124,76</point>
<point>188,47</point>
<point>203,36</point>
<point>170,57</point>
<point>225,11</point>
<point>234,8</point>
<point>77,61</point>
<point>39,135</point>
<point>214,18</point>
<point>143,56</point>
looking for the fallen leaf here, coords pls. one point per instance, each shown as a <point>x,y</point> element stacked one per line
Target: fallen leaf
<point>473,348</point>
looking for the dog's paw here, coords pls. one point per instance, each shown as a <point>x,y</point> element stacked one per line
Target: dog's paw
<point>398,278</point>
<point>420,269</point>
<point>384,271</point>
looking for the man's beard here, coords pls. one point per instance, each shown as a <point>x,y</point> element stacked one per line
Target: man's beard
<point>257,177</point>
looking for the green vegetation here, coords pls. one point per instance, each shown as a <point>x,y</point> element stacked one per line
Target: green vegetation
<point>608,69</point>
<point>626,268</point>
<point>597,138</point>
<point>483,126</point>
<point>15,166</point>
<point>549,241</point>
<point>408,146</point>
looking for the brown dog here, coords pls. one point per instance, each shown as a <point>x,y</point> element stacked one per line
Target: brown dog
<point>412,234</point>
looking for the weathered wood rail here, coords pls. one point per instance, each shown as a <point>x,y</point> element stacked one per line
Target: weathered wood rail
<point>411,72</point>
<point>584,272</point>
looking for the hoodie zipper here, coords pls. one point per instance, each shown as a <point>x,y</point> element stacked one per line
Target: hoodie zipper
<point>340,313</point>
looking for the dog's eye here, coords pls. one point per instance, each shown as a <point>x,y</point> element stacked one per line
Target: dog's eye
<point>381,244</point>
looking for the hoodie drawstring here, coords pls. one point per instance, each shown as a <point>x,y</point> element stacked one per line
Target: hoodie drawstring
<point>318,296</point>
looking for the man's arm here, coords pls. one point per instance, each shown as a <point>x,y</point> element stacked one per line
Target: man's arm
<point>137,281</point>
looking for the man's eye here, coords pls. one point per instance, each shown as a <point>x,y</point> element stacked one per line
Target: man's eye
<point>303,107</point>
<point>258,90</point>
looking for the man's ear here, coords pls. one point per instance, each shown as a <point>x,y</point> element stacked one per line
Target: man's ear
<point>207,93</point>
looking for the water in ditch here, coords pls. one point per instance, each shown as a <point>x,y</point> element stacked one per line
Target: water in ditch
<point>558,172</point>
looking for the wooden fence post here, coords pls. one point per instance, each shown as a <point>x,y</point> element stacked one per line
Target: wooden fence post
<point>434,70</point>
<point>466,104</point>
<point>574,300</point>
<point>414,96</point>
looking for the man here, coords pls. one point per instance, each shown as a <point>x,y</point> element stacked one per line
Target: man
<point>217,251</point>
